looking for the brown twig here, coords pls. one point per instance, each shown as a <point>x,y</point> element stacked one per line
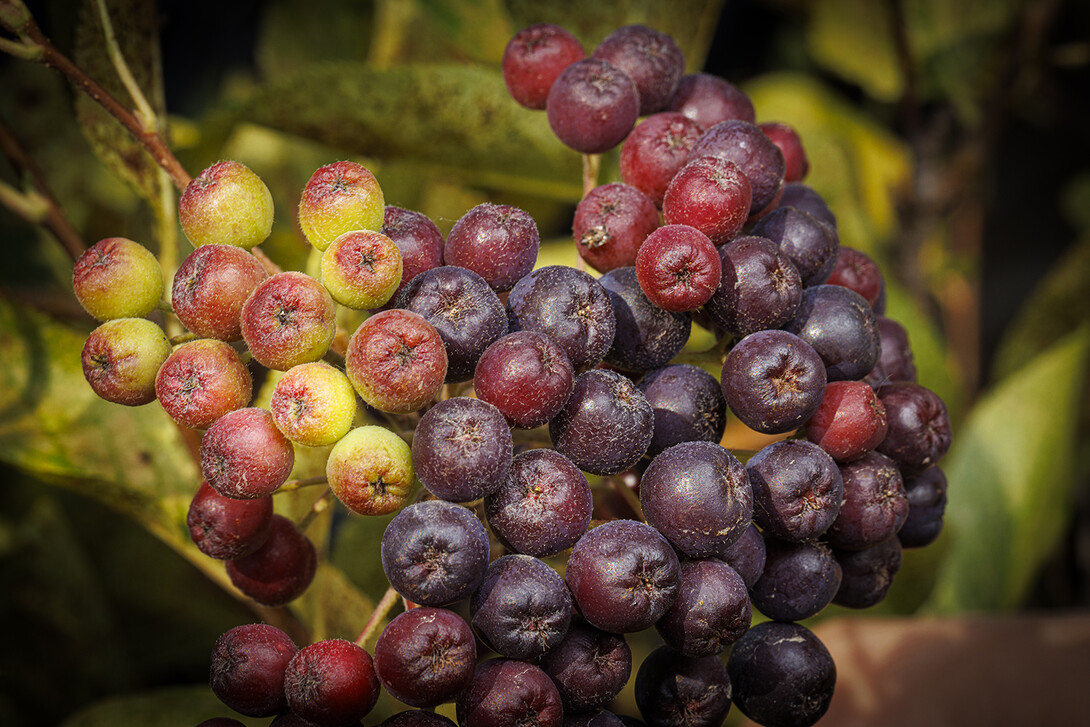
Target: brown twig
<point>34,45</point>
<point>54,218</point>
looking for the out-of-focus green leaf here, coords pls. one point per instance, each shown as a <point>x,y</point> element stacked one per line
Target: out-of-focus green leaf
<point>182,706</point>
<point>459,118</point>
<point>855,39</point>
<point>855,163</point>
<point>293,34</point>
<point>136,30</point>
<point>691,23</point>
<point>1057,306</point>
<point>1010,476</point>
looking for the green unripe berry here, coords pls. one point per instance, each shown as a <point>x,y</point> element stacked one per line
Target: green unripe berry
<point>117,278</point>
<point>227,204</point>
<point>121,358</point>
<point>362,269</point>
<point>313,404</point>
<point>339,198</point>
<point>371,471</point>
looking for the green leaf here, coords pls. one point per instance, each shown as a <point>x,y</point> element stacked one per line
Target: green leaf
<point>182,706</point>
<point>136,30</point>
<point>855,39</point>
<point>1010,473</point>
<point>459,118</point>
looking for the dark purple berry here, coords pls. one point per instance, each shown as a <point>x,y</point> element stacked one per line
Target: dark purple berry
<point>799,580</point>
<point>589,667</point>
<point>926,493</point>
<point>711,612</point>
<point>674,689</point>
<point>688,404</point>
<point>331,682</point>
<point>755,154</point>
<point>651,59</point>
<point>225,528</point>
<point>505,692</point>
<point>868,574</point>
<point>875,505</point>
<point>280,570</point>
<point>247,670</point>
<point>522,607</point>
<point>746,555</point>
<point>918,426</point>
<point>497,241</point>
<point>592,106</point>
<point>759,287</point>
<point>840,326</point>
<point>647,336</point>
<point>462,449</point>
<point>425,656</point>
<point>810,244</point>
<point>797,489</point>
<point>708,99</point>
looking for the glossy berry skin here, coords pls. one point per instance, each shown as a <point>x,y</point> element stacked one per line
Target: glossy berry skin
<point>697,494</point>
<point>417,718</point>
<point>650,58</point>
<point>926,493</point>
<point>797,490</point>
<point>796,165</point>
<point>678,268</point>
<point>623,576</point>
<point>396,361</point>
<point>533,59</point>
<point>647,336</point>
<point>527,376</point>
<point>918,431</point>
<point>606,424</point>
<point>804,198</point>
<point>759,287</point>
<point>711,194</point>
<point>370,470</point>
<point>280,570</point>
<point>201,381</point>
<point>858,271</point>
<point>875,504</point>
<point>781,675</point>
<point>850,421</point>
<point>226,204</point>
<point>810,244</point>
<point>543,506</point>
<point>759,159</point>
<point>688,404</point>
<point>464,310</point>
<point>210,288</point>
<point>313,404</point>
<point>610,224</point>
<point>867,574</point>
<point>417,238</point>
<point>225,528</point>
<point>746,555</point>
<point>435,552</point>
<point>425,656</point>
<point>121,359</point>
<point>569,306</point>
<point>674,689</point>
<point>711,612</point>
<point>506,692</point>
<point>895,361</point>
<point>589,667</point>
<point>331,682</point>
<point>247,669</point>
<point>656,150</point>
<point>244,455</point>
<point>799,580</point>
<point>361,269</point>
<point>289,319</point>
<point>840,326</point>
<point>522,608</point>
<point>339,198</point>
<point>592,106</point>
<point>462,449</point>
<point>117,278</point>
<point>708,99</point>
<point>497,241</point>
<point>773,381</point>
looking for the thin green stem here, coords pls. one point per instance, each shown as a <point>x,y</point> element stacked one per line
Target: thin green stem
<point>144,112</point>
<point>302,482</point>
<point>316,509</point>
<point>592,163</point>
<point>183,338</point>
<point>381,610</point>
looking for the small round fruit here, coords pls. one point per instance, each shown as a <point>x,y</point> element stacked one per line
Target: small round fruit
<point>371,471</point>
<point>678,268</point>
<point>121,358</point>
<point>280,570</point>
<point>225,528</point>
<point>497,241</point>
<point>362,269</point>
<point>201,381</point>
<point>247,669</point>
<point>331,682</point>
<point>210,288</point>
<point>396,361</point>
<point>117,278</point>
<point>313,404</point>
<point>244,455</point>
<point>592,106</point>
<point>533,59</point>
<point>289,319</point>
<point>226,204</point>
<point>338,198</point>
<point>610,224</point>
<point>426,656</point>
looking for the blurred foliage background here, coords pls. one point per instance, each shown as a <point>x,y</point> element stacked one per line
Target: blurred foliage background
<point>948,137</point>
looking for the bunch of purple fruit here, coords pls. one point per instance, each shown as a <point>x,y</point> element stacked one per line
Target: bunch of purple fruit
<point>504,386</point>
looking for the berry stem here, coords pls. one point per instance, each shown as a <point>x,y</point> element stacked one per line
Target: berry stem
<point>592,163</point>
<point>627,495</point>
<point>301,483</point>
<point>381,610</point>
<point>316,509</point>
<point>183,338</point>
<point>34,45</point>
<point>48,212</point>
